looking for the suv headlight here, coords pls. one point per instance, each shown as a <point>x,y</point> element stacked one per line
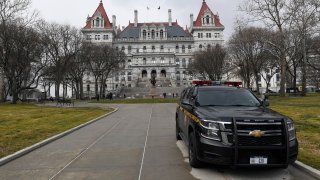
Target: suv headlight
<point>211,130</point>
<point>291,130</point>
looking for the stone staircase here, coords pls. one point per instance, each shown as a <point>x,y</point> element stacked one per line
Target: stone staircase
<point>144,89</point>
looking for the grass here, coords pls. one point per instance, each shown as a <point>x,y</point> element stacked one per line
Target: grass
<point>23,125</point>
<point>305,111</point>
<point>137,101</point>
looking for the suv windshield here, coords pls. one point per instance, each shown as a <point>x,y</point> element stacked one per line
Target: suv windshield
<point>233,97</point>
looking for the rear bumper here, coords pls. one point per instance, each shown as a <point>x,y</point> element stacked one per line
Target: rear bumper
<point>214,152</point>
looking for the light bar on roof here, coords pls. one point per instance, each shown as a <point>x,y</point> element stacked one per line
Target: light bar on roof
<point>202,82</point>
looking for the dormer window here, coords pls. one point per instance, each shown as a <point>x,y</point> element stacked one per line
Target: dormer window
<point>161,34</point>
<point>208,19</point>
<point>97,22</point>
<point>144,34</point>
<point>152,34</point>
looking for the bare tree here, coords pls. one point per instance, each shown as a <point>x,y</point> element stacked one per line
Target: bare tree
<point>103,60</point>
<point>314,62</point>
<point>12,9</point>
<point>274,13</point>
<point>306,17</point>
<point>248,48</point>
<point>62,45</point>
<point>79,67</point>
<point>21,60</point>
<point>11,12</point>
<point>209,63</point>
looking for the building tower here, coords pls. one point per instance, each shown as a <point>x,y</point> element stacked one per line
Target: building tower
<point>207,30</point>
<point>98,28</point>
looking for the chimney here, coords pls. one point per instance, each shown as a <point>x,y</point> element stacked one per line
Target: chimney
<point>191,21</point>
<point>170,17</point>
<point>114,21</point>
<point>135,18</point>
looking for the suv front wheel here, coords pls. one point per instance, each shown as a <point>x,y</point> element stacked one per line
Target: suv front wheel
<point>193,160</point>
<point>177,131</point>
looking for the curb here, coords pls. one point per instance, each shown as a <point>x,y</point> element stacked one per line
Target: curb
<point>26,150</point>
<point>307,169</point>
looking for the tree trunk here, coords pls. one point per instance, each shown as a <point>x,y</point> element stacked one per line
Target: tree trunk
<point>14,92</point>
<point>57,90</point>
<point>81,89</point>
<point>257,82</point>
<point>283,75</point>
<point>304,77</point>
<point>294,82</point>
<point>96,86</point>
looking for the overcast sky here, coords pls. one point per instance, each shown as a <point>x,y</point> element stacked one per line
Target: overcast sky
<point>75,12</point>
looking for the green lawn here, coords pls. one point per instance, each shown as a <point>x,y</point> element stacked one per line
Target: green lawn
<point>137,101</point>
<point>305,111</point>
<point>23,125</point>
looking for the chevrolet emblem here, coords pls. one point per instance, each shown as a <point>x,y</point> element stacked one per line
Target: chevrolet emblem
<point>256,133</point>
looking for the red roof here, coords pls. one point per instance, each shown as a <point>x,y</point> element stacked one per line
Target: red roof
<point>204,8</point>
<point>104,15</point>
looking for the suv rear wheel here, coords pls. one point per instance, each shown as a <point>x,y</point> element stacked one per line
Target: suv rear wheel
<point>193,160</point>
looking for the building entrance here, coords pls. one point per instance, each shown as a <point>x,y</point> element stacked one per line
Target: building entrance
<point>144,74</point>
<point>163,73</point>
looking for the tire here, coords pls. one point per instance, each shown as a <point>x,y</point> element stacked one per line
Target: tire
<point>177,131</point>
<point>193,160</point>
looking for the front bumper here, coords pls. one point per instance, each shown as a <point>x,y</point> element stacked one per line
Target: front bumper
<point>215,152</point>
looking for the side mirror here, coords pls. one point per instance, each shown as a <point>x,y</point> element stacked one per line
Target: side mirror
<point>264,101</point>
<point>186,102</point>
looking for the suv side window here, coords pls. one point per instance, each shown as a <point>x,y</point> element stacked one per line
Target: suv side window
<point>189,95</point>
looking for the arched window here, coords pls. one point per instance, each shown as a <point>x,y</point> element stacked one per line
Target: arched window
<point>162,60</point>
<point>183,49</point>
<point>161,34</point>
<point>152,34</point>
<point>208,19</point>
<point>129,49</point>
<point>97,22</point>
<point>144,61</point>
<point>184,63</point>
<point>209,46</point>
<point>178,75</point>
<point>129,62</point>
<point>88,87</point>
<point>200,46</point>
<point>144,34</point>
<point>129,76</point>
<point>177,62</point>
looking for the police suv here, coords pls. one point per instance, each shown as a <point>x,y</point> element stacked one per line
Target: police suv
<point>227,125</point>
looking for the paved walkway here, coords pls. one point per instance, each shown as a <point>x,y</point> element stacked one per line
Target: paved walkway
<point>112,148</point>
<point>137,142</point>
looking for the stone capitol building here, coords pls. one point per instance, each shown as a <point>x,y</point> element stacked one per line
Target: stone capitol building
<point>161,49</point>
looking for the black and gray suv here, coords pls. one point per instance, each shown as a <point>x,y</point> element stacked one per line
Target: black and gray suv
<point>230,126</point>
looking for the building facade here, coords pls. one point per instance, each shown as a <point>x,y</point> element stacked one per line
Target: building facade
<point>160,49</point>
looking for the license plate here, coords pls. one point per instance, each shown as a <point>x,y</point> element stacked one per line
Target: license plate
<point>258,160</point>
